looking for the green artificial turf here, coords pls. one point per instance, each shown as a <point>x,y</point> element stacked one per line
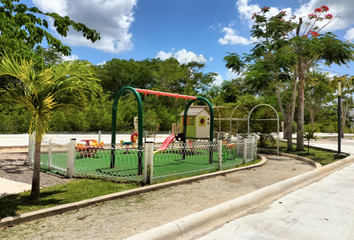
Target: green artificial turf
<point>126,164</point>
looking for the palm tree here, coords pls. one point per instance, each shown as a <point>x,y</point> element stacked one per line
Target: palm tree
<point>58,88</point>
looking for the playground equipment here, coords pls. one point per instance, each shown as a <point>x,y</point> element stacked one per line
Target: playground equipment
<point>132,143</point>
<point>198,121</point>
<point>90,149</point>
<point>271,119</point>
<point>166,143</point>
<point>136,92</point>
<point>170,139</point>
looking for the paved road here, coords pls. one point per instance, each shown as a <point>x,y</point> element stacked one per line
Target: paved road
<point>322,210</point>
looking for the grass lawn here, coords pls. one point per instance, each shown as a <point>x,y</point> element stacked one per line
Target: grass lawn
<point>73,191</point>
<point>320,156</point>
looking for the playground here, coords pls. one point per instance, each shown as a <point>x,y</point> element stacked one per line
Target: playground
<point>192,148</point>
<point>168,161</point>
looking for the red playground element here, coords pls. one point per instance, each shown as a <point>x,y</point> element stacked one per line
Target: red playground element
<point>165,144</point>
<point>134,137</point>
<point>145,91</point>
<point>190,144</point>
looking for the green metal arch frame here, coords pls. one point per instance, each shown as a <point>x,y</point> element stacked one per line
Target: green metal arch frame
<point>211,125</point>
<point>140,125</point>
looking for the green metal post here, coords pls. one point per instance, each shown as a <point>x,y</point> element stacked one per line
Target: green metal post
<point>211,127</point>
<point>140,126</point>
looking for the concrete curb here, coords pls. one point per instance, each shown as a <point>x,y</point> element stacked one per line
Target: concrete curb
<point>48,212</point>
<point>200,223</point>
<point>310,161</point>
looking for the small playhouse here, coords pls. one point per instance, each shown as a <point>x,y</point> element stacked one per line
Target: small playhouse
<point>198,123</point>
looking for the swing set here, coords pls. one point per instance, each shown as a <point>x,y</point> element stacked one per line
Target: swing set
<point>182,136</point>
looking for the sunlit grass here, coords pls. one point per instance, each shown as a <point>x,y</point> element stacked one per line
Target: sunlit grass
<point>70,192</point>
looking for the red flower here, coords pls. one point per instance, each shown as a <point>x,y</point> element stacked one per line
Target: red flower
<point>304,36</point>
<point>328,16</point>
<point>254,15</point>
<point>312,15</point>
<point>314,34</point>
<point>282,19</point>
<point>318,10</point>
<point>324,8</point>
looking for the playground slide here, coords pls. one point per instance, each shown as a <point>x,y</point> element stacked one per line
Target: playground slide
<point>165,144</point>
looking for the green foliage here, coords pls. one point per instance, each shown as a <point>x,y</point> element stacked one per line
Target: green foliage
<point>308,136</point>
<point>22,28</point>
<point>65,86</point>
<point>285,53</point>
<point>59,88</point>
<point>14,118</point>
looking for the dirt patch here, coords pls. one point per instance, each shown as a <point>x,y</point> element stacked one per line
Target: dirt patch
<point>125,217</point>
<point>14,166</point>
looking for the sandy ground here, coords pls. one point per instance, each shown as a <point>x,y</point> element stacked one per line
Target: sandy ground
<point>125,217</point>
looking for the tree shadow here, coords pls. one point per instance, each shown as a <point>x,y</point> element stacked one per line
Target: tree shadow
<point>10,205</point>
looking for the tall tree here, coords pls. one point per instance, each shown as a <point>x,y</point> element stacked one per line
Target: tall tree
<point>269,66</point>
<point>118,73</point>
<point>22,28</point>
<point>59,88</point>
<point>347,93</point>
<point>318,92</point>
<point>307,46</point>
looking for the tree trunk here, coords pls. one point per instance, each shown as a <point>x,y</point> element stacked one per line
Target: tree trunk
<point>300,107</point>
<point>36,170</point>
<point>291,119</point>
<point>285,131</point>
<point>288,131</point>
<point>312,116</point>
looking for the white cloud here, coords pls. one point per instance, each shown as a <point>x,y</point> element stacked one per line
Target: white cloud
<point>73,57</point>
<point>231,37</point>
<point>350,35</point>
<point>338,7</point>
<point>102,63</point>
<point>59,6</point>
<point>111,18</point>
<point>218,79</point>
<point>246,11</point>
<point>232,75</point>
<point>211,59</point>
<point>183,56</point>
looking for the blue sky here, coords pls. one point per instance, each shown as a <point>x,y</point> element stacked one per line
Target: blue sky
<point>186,29</point>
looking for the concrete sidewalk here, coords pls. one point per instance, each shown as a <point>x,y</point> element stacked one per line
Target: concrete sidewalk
<point>322,210</point>
<point>10,187</point>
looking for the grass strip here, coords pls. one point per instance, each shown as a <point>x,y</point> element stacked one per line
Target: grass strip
<point>74,191</point>
<point>321,156</point>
